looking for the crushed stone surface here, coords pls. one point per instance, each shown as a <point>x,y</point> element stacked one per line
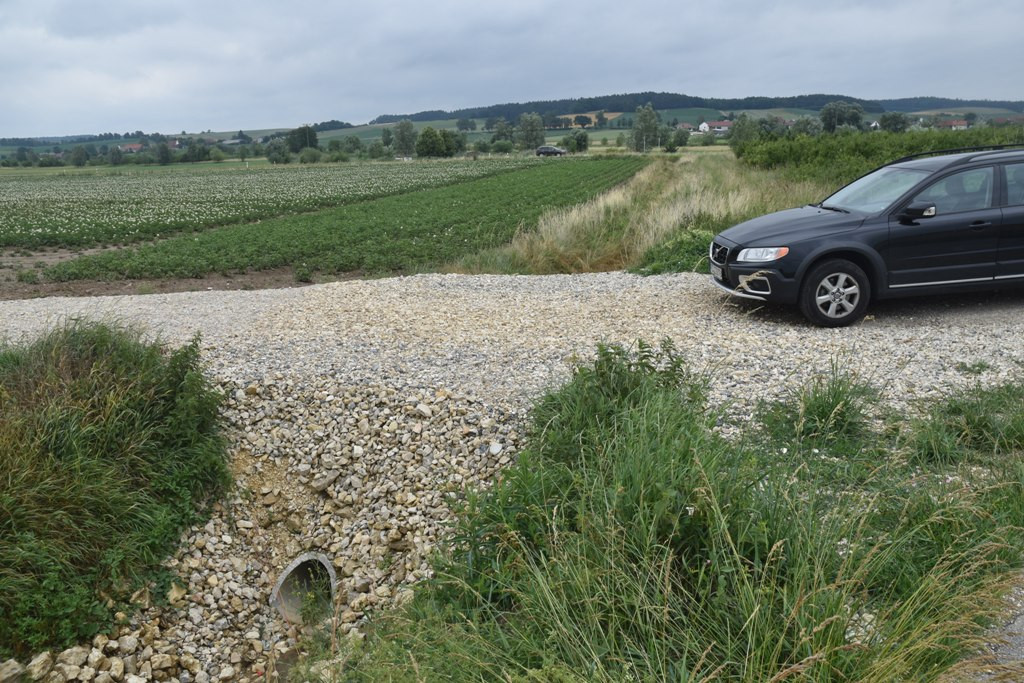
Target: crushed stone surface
<point>359,411</point>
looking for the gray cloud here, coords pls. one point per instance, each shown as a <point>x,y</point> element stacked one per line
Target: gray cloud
<point>72,67</point>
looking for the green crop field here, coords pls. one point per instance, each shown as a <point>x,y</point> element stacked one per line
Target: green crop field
<point>403,233</point>
<point>994,112</point>
<point>783,113</point>
<point>689,114</point>
<point>72,208</point>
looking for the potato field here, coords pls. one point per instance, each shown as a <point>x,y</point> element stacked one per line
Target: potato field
<point>82,208</point>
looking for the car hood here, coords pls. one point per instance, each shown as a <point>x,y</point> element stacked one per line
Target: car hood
<point>791,225</point>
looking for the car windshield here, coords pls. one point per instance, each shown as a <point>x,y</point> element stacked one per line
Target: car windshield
<point>875,191</point>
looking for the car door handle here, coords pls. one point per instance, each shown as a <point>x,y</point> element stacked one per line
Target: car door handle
<point>978,225</point>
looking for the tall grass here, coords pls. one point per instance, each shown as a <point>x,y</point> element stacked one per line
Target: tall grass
<point>631,543</point>
<point>661,220</point>
<point>108,447</point>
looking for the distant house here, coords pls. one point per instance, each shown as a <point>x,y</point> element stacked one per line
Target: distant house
<point>686,126</point>
<point>1007,121</point>
<point>131,148</point>
<point>716,127</point>
<point>874,125</point>
<point>952,124</point>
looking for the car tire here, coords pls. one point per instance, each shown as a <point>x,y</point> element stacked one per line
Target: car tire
<point>835,293</point>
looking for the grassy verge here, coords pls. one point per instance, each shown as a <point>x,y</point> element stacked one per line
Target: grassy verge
<point>660,221</point>
<point>631,543</point>
<point>404,233</point>
<point>710,195</point>
<point>108,447</point>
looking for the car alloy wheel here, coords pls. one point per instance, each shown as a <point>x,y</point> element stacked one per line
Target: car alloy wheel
<point>835,293</point>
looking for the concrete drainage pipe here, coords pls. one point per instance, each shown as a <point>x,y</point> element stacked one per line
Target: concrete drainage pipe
<point>306,586</point>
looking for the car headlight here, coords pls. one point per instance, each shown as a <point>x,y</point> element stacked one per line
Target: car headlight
<point>762,254</point>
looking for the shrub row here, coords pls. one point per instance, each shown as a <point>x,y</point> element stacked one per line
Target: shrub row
<point>842,157</point>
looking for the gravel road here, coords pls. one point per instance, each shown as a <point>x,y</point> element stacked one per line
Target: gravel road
<point>353,405</point>
<point>506,338</point>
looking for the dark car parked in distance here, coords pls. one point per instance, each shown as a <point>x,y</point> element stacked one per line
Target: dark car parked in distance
<point>933,223</point>
<point>550,151</point>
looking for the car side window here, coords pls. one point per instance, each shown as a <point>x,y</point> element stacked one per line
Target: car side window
<point>1015,184</point>
<point>964,191</point>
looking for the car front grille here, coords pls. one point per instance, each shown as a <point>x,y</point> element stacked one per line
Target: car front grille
<point>719,253</point>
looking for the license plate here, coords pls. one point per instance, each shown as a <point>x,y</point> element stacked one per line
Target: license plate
<point>716,273</point>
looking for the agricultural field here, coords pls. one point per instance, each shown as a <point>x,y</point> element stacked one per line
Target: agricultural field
<point>987,112</point>
<point>82,209</point>
<point>409,232</point>
<point>689,114</point>
<point>784,113</point>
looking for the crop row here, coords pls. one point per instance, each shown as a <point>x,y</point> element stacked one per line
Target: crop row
<point>403,233</point>
<point>81,209</point>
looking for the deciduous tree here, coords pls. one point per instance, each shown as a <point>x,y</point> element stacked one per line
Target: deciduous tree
<point>301,137</point>
<point>502,131</point>
<point>645,128</point>
<point>405,138</point>
<point>429,143</point>
<point>839,113</point>
<point>79,157</point>
<point>277,152</point>
<point>530,131</point>
<point>894,121</point>
<point>163,154</point>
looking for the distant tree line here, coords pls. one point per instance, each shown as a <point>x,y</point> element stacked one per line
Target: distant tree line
<point>626,102</point>
<point>331,125</point>
<point>910,104</point>
<point>66,140</point>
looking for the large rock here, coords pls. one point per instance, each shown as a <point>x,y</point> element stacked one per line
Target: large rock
<point>68,671</point>
<point>74,656</point>
<point>40,665</point>
<point>11,671</point>
<point>321,482</point>
<point>127,645</point>
<point>161,661</point>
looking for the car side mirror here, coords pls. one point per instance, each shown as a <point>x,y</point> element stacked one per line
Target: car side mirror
<point>918,210</point>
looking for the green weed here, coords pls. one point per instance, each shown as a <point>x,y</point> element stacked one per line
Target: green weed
<point>976,368</point>
<point>630,543</point>
<point>108,448</point>
<point>981,423</point>
<point>833,407</point>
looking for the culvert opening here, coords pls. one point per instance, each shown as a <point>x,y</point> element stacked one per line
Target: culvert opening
<point>305,589</point>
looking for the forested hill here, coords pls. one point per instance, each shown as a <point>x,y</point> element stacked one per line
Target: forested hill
<point>629,102</point>
<point>908,104</point>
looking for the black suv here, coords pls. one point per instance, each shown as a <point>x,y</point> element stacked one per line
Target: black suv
<point>549,151</point>
<point>930,223</point>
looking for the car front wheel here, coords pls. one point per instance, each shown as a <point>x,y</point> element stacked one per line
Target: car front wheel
<point>835,293</point>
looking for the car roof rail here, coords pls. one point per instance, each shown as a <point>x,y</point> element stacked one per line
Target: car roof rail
<point>960,150</point>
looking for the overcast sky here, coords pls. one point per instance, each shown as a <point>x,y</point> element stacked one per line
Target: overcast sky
<point>71,66</point>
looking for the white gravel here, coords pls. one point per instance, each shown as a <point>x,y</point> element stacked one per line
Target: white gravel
<point>506,338</point>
